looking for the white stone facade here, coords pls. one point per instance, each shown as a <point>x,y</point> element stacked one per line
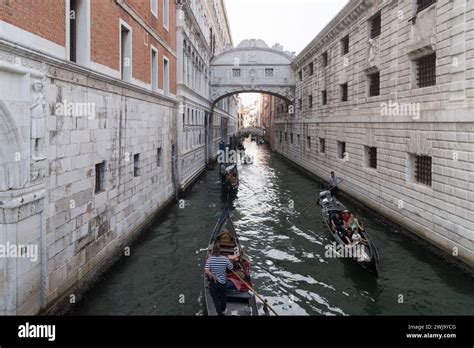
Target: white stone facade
<point>202,31</point>
<point>402,122</point>
<point>51,202</point>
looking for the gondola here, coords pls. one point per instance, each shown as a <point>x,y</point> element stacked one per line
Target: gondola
<point>240,302</point>
<point>230,180</point>
<point>368,255</point>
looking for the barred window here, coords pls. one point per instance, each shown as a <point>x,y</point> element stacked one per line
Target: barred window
<point>236,72</point>
<point>136,165</point>
<point>291,137</point>
<point>345,45</point>
<point>376,25</point>
<point>324,97</point>
<point>100,177</point>
<point>308,141</point>
<point>310,101</point>
<point>269,72</point>
<point>426,71</point>
<point>286,136</point>
<point>374,84</point>
<point>341,149</point>
<point>300,75</point>
<point>311,69</point>
<point>325,58</point>
<point>300,104</point>
<point>423,4</point>
<point>322,145</point>
<point>344,92</point>
<point>423,169</point>
<point>371,157</point>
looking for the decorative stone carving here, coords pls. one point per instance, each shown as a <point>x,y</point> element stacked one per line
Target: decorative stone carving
<point>418,144</point>
<point>38,108</point>
<point>373,51</point>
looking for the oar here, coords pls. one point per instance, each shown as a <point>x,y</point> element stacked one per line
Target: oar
<point>255,292</point>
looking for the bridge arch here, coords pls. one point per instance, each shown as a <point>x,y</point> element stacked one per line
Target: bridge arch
<point>253,67</point>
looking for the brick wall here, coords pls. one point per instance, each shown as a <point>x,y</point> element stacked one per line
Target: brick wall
<point>45,18</point>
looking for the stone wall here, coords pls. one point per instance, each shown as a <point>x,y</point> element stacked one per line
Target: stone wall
<point>48,192</point>
<point>403,121</point>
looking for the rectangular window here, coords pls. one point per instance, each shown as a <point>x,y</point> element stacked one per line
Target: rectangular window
<point>100,177</point>
<point>300,75</point>
<point>376,25</point>
<point>158,157</point>
<point>426,71</point>
<point>166,76</point>
<point>136,165</point>
<point>341,149</point>
<point>325,59</point>
<point>300,104</point>
<point>291,138</point>
<point>236,72</point>
<point>154,7</point>
<point>370,157</point>
<point>269,72</point>
<point>374,84</point>
<point>322,145</point>
<point>126,53</point>
<point>308,142</point>
<point>344,92</point>
<point>310,101</point>
<point>423,165</point>
<point>423,4</point>
<point>166,13</point>
<point>286,136</point>
<point>79,31</point>
<point>281,136</point>
<point>154,70</point>
<point>311,69</point>
<point>345,45</point>
<point>73,30</point>
<point>324,97</point>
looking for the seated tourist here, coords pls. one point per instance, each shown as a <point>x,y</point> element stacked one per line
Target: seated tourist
<point>347,237</point>
<point>353,222</point>
<point>357,237</point>
<point>346,216</point>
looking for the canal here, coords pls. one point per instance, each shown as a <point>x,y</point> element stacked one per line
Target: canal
<point>163,274</point>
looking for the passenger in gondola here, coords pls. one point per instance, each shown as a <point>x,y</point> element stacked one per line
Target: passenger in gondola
<point>357,237</point>
<point>353,222</point>
<point>338,225</point>
<point>215,270</point>
<point>346,217</point>
<point>347,237</point>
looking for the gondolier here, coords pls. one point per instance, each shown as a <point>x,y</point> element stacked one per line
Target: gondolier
<point>215,269</point>
<point>333,182</point>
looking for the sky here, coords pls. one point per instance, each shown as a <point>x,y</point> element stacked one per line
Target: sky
<point>291,23</point>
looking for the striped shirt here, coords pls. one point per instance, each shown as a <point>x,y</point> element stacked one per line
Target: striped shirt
<point>218,266</point>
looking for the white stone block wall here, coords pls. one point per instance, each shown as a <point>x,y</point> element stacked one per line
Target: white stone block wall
<point>77,230</point>
<point>443,128</point>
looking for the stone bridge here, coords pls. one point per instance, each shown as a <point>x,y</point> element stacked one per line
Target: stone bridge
<point>251,131</point>
<point>253,67</point>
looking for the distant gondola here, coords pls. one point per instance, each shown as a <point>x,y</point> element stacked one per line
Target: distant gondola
<point>368,256</point>
<point>230,179</point>
<point>240,301</point>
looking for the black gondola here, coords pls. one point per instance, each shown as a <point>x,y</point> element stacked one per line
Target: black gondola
<point>367,256</point>
<point>239,302</point>
<point>230,179</point>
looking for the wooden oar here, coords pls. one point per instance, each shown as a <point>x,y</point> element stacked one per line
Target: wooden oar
<point>255,292</point>
<point>311,203</point>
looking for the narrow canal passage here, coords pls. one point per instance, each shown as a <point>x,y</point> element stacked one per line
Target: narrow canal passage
<point>163,275</point>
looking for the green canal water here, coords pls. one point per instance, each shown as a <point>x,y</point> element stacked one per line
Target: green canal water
<point>163,275</point>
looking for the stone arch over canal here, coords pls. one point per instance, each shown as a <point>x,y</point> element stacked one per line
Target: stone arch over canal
<point>253,67</point>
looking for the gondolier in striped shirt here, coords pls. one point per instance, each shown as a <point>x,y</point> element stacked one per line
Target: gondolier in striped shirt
<point>215,270</point>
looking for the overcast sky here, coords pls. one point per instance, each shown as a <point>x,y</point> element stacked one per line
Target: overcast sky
<point>291,23</point>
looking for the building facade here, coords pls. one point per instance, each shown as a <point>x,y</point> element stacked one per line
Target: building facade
<point>202,32</point>
<point>88,133</point>
<point>384,97</point>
